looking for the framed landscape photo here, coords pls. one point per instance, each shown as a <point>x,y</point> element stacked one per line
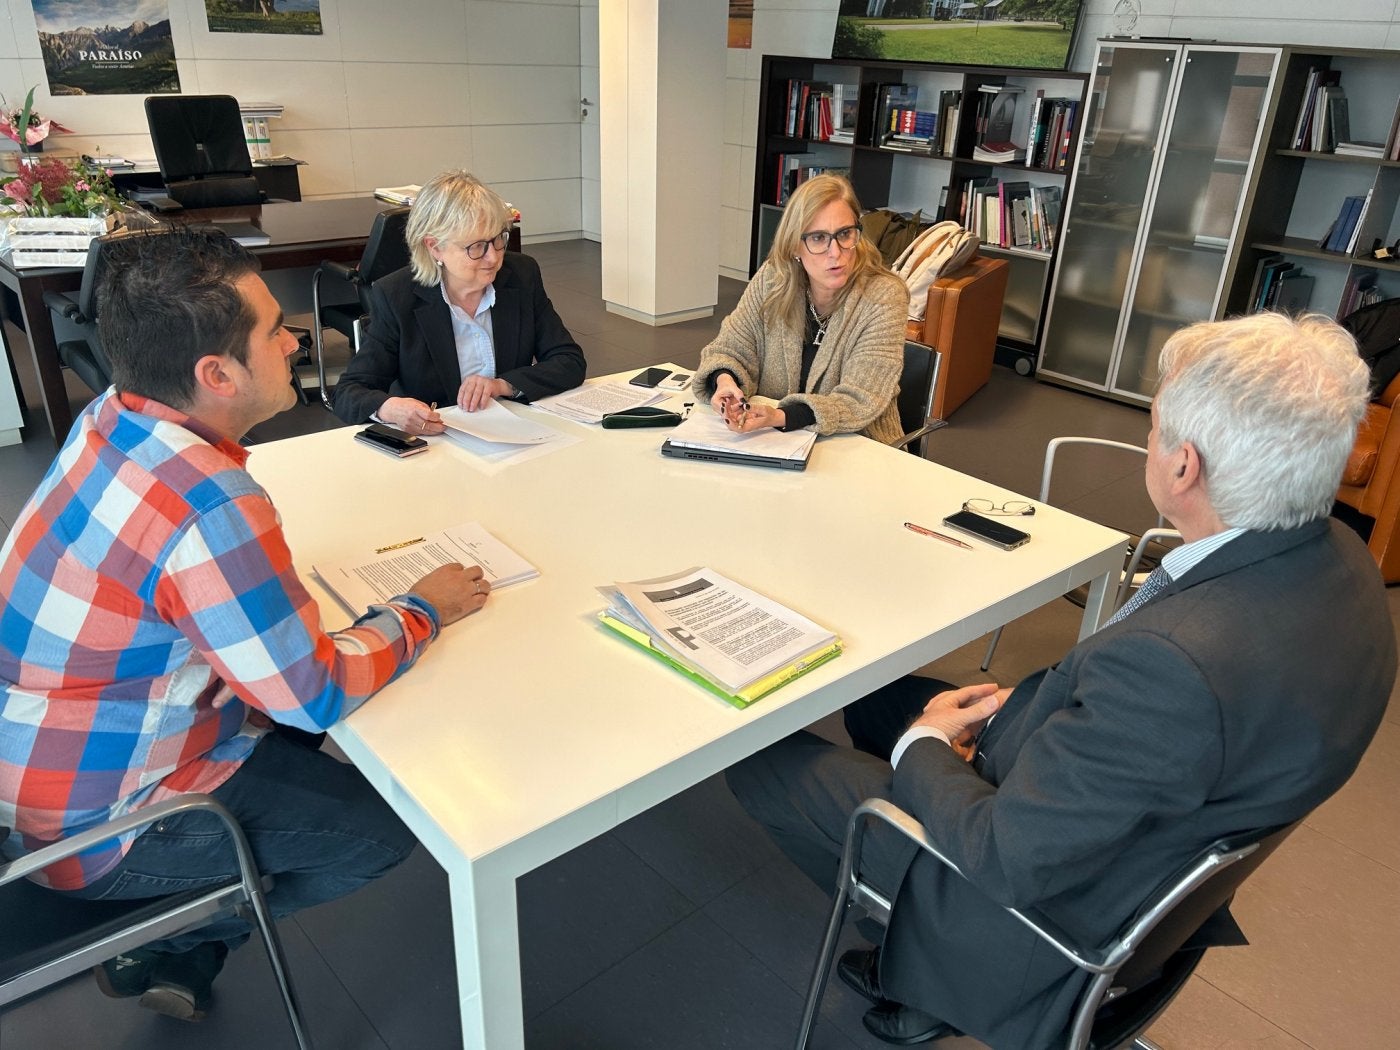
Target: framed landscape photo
<point>1025,34</point>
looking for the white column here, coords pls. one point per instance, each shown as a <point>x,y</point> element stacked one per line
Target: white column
<point>661,78</point>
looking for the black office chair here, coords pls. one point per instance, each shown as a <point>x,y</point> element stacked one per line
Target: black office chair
<point>201,150</point>
<point>385,251</point>
<point>50,937</point>
<point>1134,976</point>
<point>917,384</point>
<point>84,353</point>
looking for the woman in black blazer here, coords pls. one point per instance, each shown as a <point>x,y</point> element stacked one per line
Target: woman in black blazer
<point>464,323</point>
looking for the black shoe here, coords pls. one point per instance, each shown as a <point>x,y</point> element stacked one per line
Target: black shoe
<point>900,1025</point>
<point>129,974</point>
<point>859,968</point>
<point>182,985</point>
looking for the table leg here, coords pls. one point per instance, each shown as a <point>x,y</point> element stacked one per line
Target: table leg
<point>1102,591</point>
<point>486,937</point>
<point>43,347</point>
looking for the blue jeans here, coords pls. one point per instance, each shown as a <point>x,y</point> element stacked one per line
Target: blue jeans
<point>314,824</point>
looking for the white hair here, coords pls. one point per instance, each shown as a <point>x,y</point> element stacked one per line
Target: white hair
<point>1272,405</point>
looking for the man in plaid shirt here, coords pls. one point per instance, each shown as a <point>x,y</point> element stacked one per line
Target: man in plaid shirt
<point>156,639</point>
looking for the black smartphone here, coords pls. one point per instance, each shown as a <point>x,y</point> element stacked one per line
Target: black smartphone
<point>394,442</point>
<point>650,377</point>
<point>997,533</point>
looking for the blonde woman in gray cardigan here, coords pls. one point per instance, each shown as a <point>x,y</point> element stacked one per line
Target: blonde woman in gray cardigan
<point>820,328</point>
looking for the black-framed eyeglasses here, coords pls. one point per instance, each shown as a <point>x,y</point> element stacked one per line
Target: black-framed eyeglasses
<point>818,242</point>
<point>477,249</point>
<point>1010,509</point>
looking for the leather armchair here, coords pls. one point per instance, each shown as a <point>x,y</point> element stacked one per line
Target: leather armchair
<point>1371,480</point>
<point>961,322</point>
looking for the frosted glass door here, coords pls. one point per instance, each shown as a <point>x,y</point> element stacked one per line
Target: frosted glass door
<point>1215,125</point>
<point>1111,183</point>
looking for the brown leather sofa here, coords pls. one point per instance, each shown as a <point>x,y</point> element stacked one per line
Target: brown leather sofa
<point>1371,481</point>
<point>964,312</point>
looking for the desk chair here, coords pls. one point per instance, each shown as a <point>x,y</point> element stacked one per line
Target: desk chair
<point>84,353</point>
<point>1143,554</point>
<point>50,937</point>
<point>1133,977</point>
<point>201,150</point>
<point>385,251</point>
<point>918,383</point>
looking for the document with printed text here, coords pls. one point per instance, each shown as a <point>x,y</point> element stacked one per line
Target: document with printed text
<point>393,569</point>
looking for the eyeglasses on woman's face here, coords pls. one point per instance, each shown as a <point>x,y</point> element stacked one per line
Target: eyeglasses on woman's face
<point>477,249</point>
<point>818,242</point>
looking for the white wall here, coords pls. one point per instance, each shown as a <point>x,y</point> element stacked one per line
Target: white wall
<point>591,187</point>
<point>804,27</point>
<point>391,93</point>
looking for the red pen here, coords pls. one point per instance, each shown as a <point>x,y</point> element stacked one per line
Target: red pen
<point>937,536</point>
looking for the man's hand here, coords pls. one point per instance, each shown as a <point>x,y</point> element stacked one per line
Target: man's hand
<point>476,392</point>
<point>960,714</point>
<point>454,591</point>
<point>411,416</point>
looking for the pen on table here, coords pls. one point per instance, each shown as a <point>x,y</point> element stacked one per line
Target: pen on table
<point>938,536</point>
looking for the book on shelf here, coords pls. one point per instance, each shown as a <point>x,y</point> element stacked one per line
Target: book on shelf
<point>1360,222</point>
<point>1265,273</point>
<point>398,194</point>
<point>998,153</point>
<point>890,98</point>
<point>1049,134</point>
<point>1291,292</point>
<point>1330,120</point>
<point>996,112</point>
<point>1360,148</point>
<point>733,641</point>
<point>1339,233</point>
<point>949,108</point>
<point>1360,290</point>
<point>384,572</point>
<point>1306,129</point>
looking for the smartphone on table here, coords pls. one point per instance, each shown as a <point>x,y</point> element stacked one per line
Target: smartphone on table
<point>650,377</point>
<point>393,442</point>
<point>997,533</point>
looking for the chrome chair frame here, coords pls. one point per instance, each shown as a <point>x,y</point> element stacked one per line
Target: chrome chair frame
<point>1102,963</point>
<point>42,960</point>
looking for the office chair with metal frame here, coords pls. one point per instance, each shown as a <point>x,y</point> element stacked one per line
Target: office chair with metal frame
<point>918,384</point>
<point>50,937</point>
<point>1135,975</point>
<point>386,250</point>
<point>1149,546</point>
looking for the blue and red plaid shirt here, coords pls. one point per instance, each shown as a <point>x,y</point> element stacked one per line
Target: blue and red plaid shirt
<point>151,606</point>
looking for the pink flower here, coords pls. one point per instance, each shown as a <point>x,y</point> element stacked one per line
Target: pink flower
<point>81,186</point>
<point>19,190</point>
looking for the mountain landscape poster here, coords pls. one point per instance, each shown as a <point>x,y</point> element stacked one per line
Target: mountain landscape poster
<point>107,47</point>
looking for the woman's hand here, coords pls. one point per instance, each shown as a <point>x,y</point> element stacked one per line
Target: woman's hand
<point>411,415</point>
<point>729,400</point>
<point>478,391</point>
<point>756,417</point>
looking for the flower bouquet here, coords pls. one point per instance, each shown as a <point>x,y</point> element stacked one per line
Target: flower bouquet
<point>24,126</point>
<point>54,210</point>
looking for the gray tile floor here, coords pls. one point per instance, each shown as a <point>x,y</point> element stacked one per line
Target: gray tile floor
<point>684,928</point>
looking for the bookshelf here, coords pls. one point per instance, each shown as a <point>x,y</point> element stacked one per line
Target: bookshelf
<point>907,176</point>
<point>1300,191</point>
<point>1167,176</point>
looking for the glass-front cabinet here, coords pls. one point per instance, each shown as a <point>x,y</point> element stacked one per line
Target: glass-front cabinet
<point>1164,164</point>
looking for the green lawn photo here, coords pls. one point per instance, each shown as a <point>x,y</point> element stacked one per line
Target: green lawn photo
<point>1038,45</point>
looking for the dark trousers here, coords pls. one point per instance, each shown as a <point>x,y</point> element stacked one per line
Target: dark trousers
<point>314,824</point>
<point>803,789</point>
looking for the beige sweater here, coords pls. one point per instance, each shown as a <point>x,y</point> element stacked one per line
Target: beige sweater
<point>854,380</point>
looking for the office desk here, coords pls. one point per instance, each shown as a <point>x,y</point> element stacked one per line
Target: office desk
<point>529,729</point>
<point>302,235</point>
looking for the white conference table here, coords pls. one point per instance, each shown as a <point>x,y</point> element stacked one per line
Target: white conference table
<point>528,729</point>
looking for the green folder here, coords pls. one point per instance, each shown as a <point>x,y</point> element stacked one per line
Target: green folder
<point>743,697</point>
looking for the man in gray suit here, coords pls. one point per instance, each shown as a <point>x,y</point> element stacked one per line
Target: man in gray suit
<point>1238,696</point>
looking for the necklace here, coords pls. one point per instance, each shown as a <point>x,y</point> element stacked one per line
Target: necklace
<point>821,323</point>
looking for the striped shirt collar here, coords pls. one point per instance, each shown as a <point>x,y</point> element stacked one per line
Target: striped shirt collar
<point>1183,559</point>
